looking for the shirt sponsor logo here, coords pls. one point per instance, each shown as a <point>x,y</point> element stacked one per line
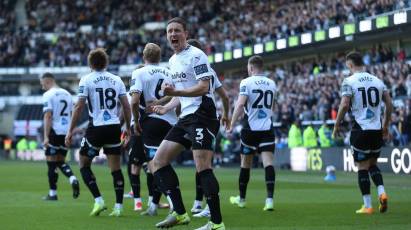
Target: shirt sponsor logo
<point>261,114</point>
<point>81,89</point>
<point>243,89</point>
<point>106,116</point>
<point>179,77</point>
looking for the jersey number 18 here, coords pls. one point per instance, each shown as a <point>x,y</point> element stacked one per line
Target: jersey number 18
<point>108,98</point>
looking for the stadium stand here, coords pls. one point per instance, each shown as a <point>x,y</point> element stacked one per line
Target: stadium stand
<point>121,28</point>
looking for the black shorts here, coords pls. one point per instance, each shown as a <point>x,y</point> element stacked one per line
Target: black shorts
<point>195,131</point>
<point>56,145</point>
<point>107,137</point>
<point>154,132</point>
<point>366,144</point>
<point>136,154</point>
<point>257,141</point>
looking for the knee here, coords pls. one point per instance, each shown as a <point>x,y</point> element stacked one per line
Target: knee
<point>135,170</point>
<point>158,163</point>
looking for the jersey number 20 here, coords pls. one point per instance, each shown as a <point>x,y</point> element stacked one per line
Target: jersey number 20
<point>266,96</point>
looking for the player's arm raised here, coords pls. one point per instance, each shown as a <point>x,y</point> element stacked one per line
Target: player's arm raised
<point>78,108</point>
<point>387,113</point>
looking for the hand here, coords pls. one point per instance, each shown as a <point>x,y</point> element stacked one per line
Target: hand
<point>385,133</point>
<point>229,129</point>
<point>226,121</point>
<point>127,135</point>
<point>159,109</point>
<point>336,131</point>
<point>137,129</point>
<point>68,138</point>
<point>169,90</point>
<point>46,142</point>
<point>150,105</point>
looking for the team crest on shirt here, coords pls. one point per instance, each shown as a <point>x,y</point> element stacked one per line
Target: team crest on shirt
<point>261,114</point>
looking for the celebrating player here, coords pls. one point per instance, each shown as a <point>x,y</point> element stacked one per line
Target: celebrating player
<point>145,87</point>
<point>103,91</point>
<point>364,94</point>
<point>57,108</point>
<point>257,95</point>
<point>197,126</point>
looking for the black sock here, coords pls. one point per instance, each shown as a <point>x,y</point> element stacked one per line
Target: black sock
<point>135,185</point>
<point>65,169</point>
<point>150,184</point>
<point>270,180</point>
<point>168,182</point>
<point>118,182</point>
<point>199,189</point>
<point>243,181</point>
<point>364,182</point>
<point>52,174</point>
<point>156,194</point>
<point>90,180</point>
<point>211,189</point>
<point>376,176</point>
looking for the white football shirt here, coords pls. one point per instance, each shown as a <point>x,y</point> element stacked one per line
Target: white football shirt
<point>102,91</point>
<point>365,91</point>
<point>148,81</point>
<point>60,103</point>
<point>187,68</point>
<point>260,92</point>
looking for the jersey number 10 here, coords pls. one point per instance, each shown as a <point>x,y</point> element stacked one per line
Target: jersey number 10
<point>367,97</point>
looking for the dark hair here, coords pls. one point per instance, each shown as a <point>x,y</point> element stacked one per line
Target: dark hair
<point>47,75</point>
<point>355,57</point>
<point>152,53</point>
<point>179,21</point>
<point>257,61</point>
<point>195,43</point>
<point>98,59</point>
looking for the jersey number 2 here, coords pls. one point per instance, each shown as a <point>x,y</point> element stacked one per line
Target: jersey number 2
<point>367,96</point>
<point>63,110</point>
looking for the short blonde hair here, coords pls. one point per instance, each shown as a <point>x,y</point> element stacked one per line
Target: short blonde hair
<point>152,53</point>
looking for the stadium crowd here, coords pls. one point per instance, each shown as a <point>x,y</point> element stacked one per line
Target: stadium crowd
<point>116,25</point>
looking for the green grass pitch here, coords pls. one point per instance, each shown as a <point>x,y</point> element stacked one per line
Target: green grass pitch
<point>302,201</point>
